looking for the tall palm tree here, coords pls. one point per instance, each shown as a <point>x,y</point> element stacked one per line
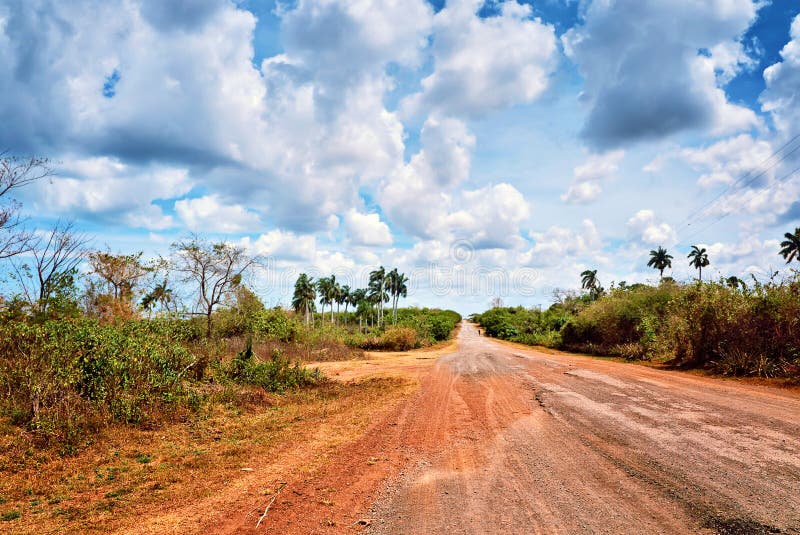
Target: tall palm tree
<point>698,258</point>
<point>339,298</point>
<point>397,289</point>
<point>327,292</point>
<point>660,260</point>
<point>358,299</point>
<point>344,299</point>
<point>589,279</point>
<point>790,247</point>
<point>161,295</point>
<point>305,296</point>
<point>377,287</point>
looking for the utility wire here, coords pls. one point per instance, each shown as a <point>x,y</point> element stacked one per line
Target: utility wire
<point>723,216</point>
<point>744,180</point>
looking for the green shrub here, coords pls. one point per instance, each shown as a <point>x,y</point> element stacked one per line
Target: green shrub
<point>527,326</point>
<point>754,332</point>
<point>10,515</point>
<point>63,376</point>
<point>275,375</point>
<point>430,324</point>
<point>275,324</point>
<point>620,321</point>
<point>393,339</point>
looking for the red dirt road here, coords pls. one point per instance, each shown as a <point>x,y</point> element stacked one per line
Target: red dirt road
<point>501,439</point>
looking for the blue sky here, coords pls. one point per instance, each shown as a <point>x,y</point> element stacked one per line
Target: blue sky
<point>487,148</point>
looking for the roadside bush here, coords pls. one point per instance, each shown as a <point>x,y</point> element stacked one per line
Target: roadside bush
<point>624,322</point>
<point>393,339</point>
<point>275,324</point>
<point>275,375</point>
<point>430,324</point>
<point>527,326</point>
<point>734,332</point>
<point>59,377</point>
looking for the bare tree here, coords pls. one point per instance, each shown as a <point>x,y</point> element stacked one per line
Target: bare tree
<point>214,267</point>
<point>117,278</point>
<point>119,272</point>
<point>55,255</point>
<point>15,173</point>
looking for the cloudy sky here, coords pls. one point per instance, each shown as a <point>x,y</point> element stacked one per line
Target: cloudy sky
<point>487,148</point>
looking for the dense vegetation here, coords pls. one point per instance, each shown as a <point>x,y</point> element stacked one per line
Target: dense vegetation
<point>726,326</point>
<point>80,351</point>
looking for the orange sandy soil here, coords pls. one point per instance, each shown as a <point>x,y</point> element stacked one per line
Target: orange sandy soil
<point>184,478</point>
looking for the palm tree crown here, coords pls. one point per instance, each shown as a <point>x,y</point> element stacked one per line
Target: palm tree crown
<point>590,282</point>
<point>589,279</point>
<point>328,288</point>
<point>304,295</point>
<point>698,258</point>
<point>660,259</point>
<point>790,247</point>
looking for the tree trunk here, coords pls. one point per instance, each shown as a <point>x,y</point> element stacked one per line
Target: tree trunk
<point>208,322</point>
<point>380,306</point>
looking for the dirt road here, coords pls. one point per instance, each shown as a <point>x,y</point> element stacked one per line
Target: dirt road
<point>502,439</point>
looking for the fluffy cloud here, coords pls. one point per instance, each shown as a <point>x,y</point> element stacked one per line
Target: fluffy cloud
<point>210,214</point>
<point>416,195</point>
<point>558,245</point>
<point>109,190</point>
<point>490,217</point>
<point>183,14</point>
<point>338,42</point>
<point>644,77</point>
<point>445,159</point>
<point>175,95</point>
<point>484,64</point>
<point>775,200</point>
<point>646,228</point>
<point>781,98</point>
<point>422,196</point>
<point>367,229</point>
<point>731,159</point>
<point>587,177</point>
<point>282,245</point>
<point>156,84</point>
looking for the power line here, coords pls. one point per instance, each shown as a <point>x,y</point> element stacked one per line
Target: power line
<point>723,216</point>
<point>742,180</point>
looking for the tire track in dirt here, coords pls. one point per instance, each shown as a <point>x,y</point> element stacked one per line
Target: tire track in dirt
<point>567,444</point>
<point>501,439</point>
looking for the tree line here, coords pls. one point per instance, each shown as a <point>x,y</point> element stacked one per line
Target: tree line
<point>660,259</point>
<point>383,287</point>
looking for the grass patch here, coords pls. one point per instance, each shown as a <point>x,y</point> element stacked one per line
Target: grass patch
<point>10,515</point>
<point>189,461</point>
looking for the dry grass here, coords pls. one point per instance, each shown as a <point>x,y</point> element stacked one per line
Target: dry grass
<point>316,351</point>
<point>387,364</point>
<point>126,475</point>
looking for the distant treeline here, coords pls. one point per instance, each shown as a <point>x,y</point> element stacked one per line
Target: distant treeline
<point>728,326</point>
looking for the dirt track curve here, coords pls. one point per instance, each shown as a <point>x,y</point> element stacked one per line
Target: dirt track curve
<point>502,439</point>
